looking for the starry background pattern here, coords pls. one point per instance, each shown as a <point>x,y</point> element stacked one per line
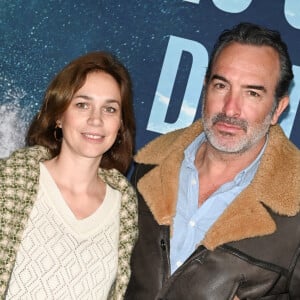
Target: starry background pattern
<point>38,38</point>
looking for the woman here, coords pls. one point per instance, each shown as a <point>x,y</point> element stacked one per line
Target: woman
<point>68,215</point>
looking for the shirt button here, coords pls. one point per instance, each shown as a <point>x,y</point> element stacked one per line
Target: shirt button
<point>192,223</point>
<point>178,263</point>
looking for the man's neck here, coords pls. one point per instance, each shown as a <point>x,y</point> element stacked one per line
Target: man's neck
<point>216,168</point>
<point>210,160</point>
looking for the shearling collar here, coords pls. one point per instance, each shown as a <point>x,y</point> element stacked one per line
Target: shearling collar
<point>275,185</point>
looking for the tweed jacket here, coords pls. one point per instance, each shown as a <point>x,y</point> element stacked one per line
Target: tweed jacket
<point>19,181</point>
<point>259,229</point>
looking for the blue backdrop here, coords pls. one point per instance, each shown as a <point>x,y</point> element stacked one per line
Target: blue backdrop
<point>165,45</point>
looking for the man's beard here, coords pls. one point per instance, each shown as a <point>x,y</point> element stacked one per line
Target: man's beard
<point>231,143</point>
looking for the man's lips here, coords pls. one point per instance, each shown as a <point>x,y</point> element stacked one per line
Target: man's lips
<point>229,123</point>
<point>228,127</point>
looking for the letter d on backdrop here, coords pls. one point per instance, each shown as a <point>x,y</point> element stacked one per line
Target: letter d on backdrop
<point>191,98</point>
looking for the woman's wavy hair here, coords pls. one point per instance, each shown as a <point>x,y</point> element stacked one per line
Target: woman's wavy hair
<point>59,95</point>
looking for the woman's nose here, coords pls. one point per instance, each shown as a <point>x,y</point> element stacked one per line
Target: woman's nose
<point>95,118</point>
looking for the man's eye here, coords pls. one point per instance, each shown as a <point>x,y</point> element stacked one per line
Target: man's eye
<point>220,85</point>
<point>253,94</point>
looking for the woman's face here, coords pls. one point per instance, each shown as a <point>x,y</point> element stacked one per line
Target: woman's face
<point>91,122</point>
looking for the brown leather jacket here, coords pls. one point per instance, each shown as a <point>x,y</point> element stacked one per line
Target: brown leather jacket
<point>253,249</point>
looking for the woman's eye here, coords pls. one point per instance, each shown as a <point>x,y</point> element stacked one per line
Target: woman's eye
<point>82,105</point>
<point>110,109</point>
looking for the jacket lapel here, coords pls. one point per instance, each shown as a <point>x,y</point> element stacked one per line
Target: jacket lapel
<point>159,186</point>
<point>276,185</point>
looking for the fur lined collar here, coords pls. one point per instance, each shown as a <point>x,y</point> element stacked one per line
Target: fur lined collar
<point>275,185</point>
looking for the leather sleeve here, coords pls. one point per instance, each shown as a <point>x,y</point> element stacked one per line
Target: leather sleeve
<point>295,279</point>
<point>149,260</point>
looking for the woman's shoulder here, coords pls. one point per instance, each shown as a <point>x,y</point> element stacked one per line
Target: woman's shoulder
<point>26,159</point>
<point>37,152</point>
<point>115,179</point>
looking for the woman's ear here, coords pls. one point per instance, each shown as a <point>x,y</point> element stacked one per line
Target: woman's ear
<point>58,123</point>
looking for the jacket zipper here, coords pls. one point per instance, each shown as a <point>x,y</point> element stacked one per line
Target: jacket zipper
<point>165,253</point>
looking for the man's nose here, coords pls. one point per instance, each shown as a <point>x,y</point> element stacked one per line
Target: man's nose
<point>232,104</point>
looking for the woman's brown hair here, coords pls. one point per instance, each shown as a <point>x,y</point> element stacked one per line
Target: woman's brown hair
<point>59,95</point>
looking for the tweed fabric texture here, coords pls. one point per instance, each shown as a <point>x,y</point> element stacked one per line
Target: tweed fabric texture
<point>19,176</point>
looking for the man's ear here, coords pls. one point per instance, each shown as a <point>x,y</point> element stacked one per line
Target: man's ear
<point>282,105</point>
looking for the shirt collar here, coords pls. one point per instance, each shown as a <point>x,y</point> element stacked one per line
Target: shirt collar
<point>247,173</point>
<point>191,150</point>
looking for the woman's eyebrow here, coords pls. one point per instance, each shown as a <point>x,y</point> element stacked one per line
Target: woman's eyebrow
<point>83,96</point>
<point>89,98</point>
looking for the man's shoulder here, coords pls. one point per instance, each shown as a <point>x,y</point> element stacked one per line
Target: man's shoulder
<point>280,145</point>
<point>159,148</point>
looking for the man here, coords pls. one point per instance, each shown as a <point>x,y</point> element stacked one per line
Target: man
<point>219,201</point>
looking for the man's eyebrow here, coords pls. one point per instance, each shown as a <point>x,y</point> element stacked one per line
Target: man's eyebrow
<point>219,77</point>
<point>256,87</point>
<point>248,86</point>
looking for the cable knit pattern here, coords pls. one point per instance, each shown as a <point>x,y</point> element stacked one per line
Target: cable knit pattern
<point>19,175</point>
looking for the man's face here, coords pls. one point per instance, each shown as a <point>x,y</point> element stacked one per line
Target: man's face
<point>239,101</point>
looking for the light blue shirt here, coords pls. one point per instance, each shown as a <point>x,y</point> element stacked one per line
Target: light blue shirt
<point>192,222</point>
